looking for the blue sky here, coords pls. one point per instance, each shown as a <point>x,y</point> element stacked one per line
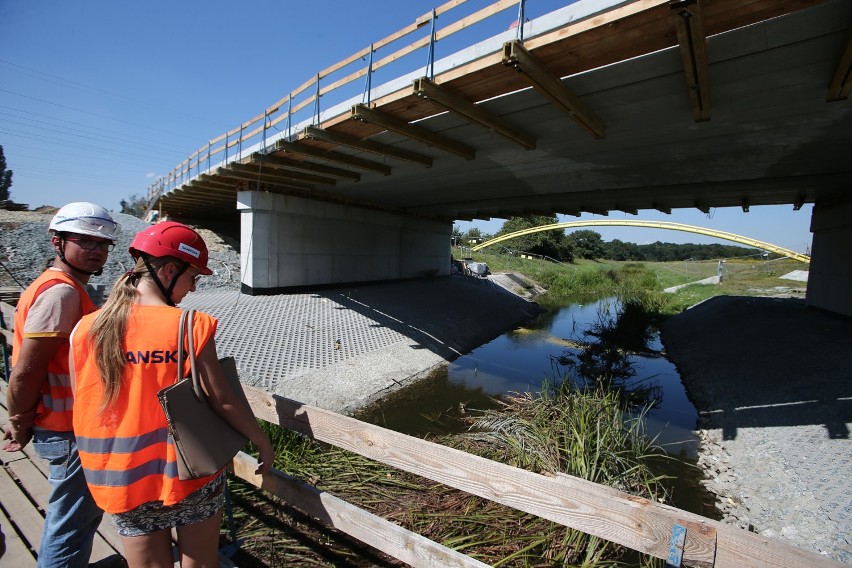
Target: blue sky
<point>98,98</point>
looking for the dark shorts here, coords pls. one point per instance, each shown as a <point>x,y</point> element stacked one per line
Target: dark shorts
<point>153,516</point>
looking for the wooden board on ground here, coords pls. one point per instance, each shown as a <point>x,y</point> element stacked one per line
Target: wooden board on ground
<point>8,299</point>
<point>32,472</point>
<point>20,510</point>
<point>17,553</point>
<point>34,485</point>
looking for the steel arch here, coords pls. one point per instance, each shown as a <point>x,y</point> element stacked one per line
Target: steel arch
<point>651,225</point>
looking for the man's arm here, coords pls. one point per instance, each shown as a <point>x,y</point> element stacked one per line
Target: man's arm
<point>25,382</point>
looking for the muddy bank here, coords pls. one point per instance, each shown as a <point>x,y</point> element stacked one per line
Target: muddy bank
<point>772,383</point>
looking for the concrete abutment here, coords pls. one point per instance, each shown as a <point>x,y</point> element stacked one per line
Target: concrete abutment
<point>830,277</point>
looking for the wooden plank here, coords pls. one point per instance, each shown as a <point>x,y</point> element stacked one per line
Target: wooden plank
<point>6,336</point>
<point>619,517</point>
<point>368,146</point>
<point>20,509</point>
<point>478,16</point>
<point>17,553</point>
<point>33,471</point>
<point>294,109</point>
<point>841,82</point>
<point>329,156</point>
<point>301,165</point>
<point>413,131</point>
<point>38,488</point>
<point>409,547</point>
<point>9,310</point>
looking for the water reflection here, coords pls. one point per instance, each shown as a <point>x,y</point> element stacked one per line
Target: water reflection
<point>573,340</point>
<point>602,359</point>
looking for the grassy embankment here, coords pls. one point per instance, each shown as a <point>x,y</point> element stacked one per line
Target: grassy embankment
<point>581,433</point>
<point>645,281</point>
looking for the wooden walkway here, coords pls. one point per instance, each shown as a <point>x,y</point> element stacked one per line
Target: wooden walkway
<point>24,491</point>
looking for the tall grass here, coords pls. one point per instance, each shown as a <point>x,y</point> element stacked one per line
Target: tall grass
<point>584,433</point>
<point>643,282</point>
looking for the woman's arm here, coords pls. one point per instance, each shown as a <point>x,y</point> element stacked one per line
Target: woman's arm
<point>225,402</point>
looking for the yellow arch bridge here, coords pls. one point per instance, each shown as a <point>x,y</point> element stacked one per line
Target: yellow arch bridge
<point>651,225</point>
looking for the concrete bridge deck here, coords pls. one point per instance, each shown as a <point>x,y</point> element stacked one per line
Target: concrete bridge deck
<point>601,105</point>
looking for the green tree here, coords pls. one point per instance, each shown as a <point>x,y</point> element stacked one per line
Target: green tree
<point>5,178</point>
<point>546,243</point>
<point>619,250</point>
<point>135,205</point>
<point>473,237</point>
<point>587,244</point>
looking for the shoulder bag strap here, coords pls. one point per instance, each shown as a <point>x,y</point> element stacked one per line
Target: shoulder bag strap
<point>181,354</point>
<point>196,382</point>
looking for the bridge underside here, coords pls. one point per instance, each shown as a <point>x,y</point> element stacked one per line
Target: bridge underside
<point>771,137</point>
<point>637,121</point>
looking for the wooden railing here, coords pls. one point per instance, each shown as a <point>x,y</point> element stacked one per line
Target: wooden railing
<point>631,521</point>
<point>302,105</point>
<point>7,336</point>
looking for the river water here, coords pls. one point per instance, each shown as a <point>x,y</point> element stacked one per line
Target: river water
<point>550,347</point>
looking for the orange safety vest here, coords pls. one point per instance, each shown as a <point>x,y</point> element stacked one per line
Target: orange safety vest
<point>54,411</point>
<point>127,454</point>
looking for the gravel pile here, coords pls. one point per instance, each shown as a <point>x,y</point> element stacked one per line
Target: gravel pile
<point>25,250</point>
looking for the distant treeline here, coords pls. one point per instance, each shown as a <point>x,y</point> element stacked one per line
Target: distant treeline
<point>664,252</point>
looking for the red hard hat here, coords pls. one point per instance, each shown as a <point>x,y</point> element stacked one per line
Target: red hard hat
<point>172,239</point>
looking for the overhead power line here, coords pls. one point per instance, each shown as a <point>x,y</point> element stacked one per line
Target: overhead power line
<point>62,80</point>
<point>93,113</point>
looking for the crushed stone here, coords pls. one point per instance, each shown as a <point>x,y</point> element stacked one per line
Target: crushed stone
<point>25,250</point>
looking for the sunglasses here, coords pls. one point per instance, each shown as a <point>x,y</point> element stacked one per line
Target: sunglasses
<point>91,244</point>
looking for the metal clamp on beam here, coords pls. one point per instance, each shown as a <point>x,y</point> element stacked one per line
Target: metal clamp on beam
<point>841,84</point>
<point>693,51</point>
<point>676,546</point>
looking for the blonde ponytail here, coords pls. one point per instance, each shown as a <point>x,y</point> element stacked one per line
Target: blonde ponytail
<point>107,333</point>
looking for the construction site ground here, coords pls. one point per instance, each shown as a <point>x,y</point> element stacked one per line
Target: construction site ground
<point>772,382</point>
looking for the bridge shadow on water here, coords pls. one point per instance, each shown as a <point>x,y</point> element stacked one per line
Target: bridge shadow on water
<point>764,362</point>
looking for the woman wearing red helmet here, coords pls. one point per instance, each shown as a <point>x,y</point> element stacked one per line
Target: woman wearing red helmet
<point>121,357</point>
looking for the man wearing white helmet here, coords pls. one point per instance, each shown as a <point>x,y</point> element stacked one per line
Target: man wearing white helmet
<point>39,397</point>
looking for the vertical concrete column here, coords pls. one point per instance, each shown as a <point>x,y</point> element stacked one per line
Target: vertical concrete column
<point>290,243</point>
<point>830,274</point>
<point>257,239</point>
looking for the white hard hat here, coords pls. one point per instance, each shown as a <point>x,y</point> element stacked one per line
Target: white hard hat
<point>84,218</point>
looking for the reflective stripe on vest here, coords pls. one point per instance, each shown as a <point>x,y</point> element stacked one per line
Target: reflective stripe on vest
<point>108,478</point>
<point>59,397</point>
<point>126,445</point>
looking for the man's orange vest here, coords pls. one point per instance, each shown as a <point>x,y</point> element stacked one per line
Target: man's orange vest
<point>54,411</point>
<point>127,454</point>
